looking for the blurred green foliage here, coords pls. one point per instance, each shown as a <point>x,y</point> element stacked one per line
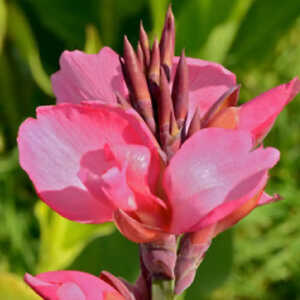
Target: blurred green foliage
<point>256,39</point>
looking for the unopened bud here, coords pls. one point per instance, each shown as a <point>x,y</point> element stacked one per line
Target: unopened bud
<point>144,41</point>
<point>154,68</point>
<point>180,92</point>
<point>167,43</point>
<point>159,257</point>
<point>192,249</point>
<point>195,124</point>
<point>141,57</point>
<point>138,84</point>
<point>165,110</point>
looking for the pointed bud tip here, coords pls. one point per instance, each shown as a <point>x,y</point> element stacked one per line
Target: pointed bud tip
<point>182,53</point>
<point>142,28</point>
<point>170,10</point>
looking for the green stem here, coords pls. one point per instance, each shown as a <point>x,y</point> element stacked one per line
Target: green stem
<point>162,290</point>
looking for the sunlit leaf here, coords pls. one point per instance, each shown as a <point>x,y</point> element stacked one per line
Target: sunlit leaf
<point>222,36</point>
<point>158,12</point>
<point>13,288</point>
<point>20,32</point>
<point>92,41</point>
<point>3,21</point>
<point>63,240</point>
<point>197,19</point>
<point>9,113</point>
<point>263,26</point>
<point>9,162</point>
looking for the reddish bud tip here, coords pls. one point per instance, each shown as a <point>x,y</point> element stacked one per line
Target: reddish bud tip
<point>180,92</point>
<point>167,43</point>
<point>145,44</point>
<point>165,104</point>
<point>195,124</point>
<point>138,85</point>
<point>141,57</point>
<point>154,69</point>
<point>168,130</point>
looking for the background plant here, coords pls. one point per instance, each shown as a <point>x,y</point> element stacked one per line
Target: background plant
<point>256,39</point>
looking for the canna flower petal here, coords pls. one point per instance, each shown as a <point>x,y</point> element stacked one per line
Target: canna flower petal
<point>193,246</point>
<point>258,115</point>
<point>213,174</point>
<point>76,155</point>
<point>266,199</point>
<point>66,285</point>
<point>89,77</point>
<point>136,231</point>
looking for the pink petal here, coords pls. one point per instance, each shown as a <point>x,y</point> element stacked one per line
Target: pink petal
<point>259,115</point>
<point>66,138</point>
<point>66,285</point>
<point>111,186</point>
<point>238,214</point>
<point>214,167</point>
<point>266,199</point>
<point>88,77</point>
<point>140,177</point>
<point>233,209</point>
<point>70,290</point>
<point>208,81</point>
<point>136,231</point>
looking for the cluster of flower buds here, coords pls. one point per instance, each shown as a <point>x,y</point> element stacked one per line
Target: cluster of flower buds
<point>155,94</point>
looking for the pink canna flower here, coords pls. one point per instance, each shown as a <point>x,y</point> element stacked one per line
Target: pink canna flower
<point>132,140</point>
<point>155,143</point>
<point>66,285</point>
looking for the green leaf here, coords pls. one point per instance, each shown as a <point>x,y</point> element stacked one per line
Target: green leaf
<point>196,20</point>
<point>9,112</point>
<point>215,268</point>
<point>20,32</point>
<point>158,12</point>
<point>222,36</point>
<point>180,297</point>
<point>264,25</point>
<point>9,162</point>
<point>92,42</point>
<point>112,253</point>
<point>3,20</point>
<point>66,19</point>
<point>63,240</point>
<point>13,288</point>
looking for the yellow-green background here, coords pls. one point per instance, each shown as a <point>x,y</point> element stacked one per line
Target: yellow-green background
<point>259,40</point>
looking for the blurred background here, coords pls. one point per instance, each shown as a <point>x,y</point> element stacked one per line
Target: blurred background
<point>256,39</point>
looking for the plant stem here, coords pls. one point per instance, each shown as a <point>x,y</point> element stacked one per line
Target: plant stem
<point>162,290</point>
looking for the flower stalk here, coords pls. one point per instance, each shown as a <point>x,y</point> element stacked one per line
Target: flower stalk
<point>163,290</point>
